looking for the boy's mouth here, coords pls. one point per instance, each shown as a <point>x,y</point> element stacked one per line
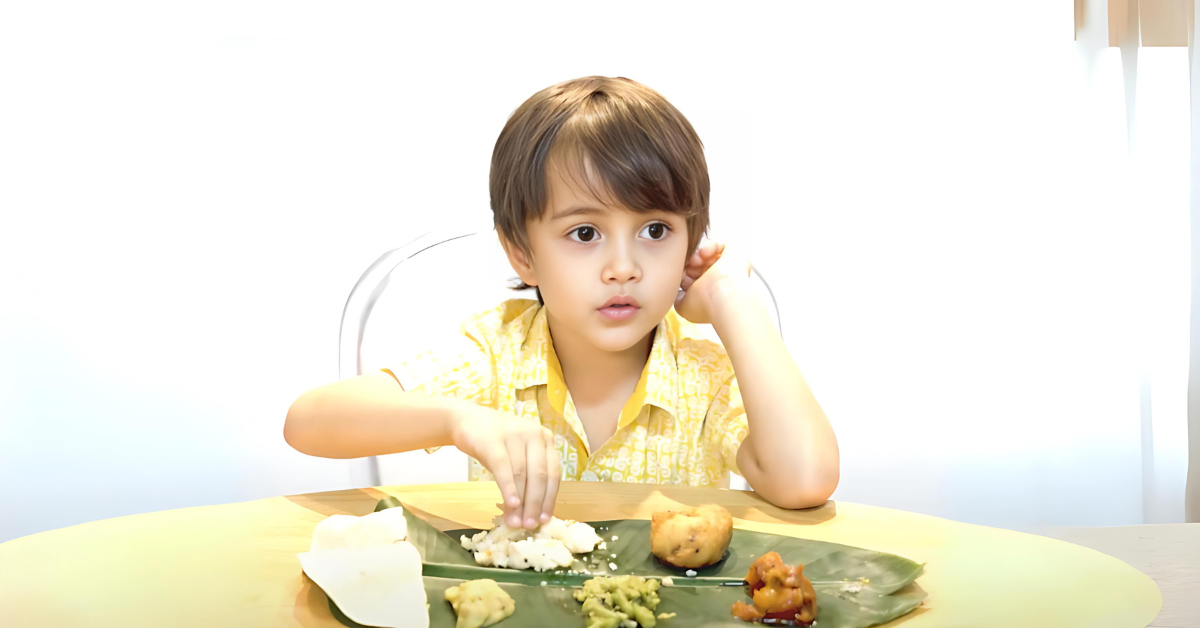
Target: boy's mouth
<point>619,308</point>
<point>621,300</point>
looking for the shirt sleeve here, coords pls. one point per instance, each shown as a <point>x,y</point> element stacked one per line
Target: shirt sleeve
<point>725,425</point>
<point>462,368</point>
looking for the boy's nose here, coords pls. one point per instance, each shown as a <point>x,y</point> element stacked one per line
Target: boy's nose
<point>622,267</point>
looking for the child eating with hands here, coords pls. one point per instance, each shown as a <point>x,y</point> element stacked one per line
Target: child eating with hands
<point>599,194</point>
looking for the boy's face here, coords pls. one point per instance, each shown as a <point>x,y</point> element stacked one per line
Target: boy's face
<point>586,252</point>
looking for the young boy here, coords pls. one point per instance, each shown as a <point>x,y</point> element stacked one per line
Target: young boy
<point>600,198</point>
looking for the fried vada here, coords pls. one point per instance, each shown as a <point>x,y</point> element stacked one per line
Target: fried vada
<point>691,539</point>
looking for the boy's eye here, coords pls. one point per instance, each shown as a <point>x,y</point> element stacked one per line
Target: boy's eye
<point>585,234</point>
<point>656,231</point>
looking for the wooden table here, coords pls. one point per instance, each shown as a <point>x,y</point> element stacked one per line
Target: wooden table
<point>236,565</point>
<point>1168,553</point>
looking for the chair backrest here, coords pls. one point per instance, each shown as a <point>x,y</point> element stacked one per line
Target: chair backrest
<point>388,318</point>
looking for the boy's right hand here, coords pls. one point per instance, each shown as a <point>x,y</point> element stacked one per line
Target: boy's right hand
<point>520,454</point>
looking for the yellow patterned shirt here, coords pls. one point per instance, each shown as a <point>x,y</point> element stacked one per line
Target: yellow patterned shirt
<point>682,425</point>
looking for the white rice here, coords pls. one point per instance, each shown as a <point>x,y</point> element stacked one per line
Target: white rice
<point>551,545</point>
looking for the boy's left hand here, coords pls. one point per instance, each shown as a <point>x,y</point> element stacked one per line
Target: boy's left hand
<point>712,274</point>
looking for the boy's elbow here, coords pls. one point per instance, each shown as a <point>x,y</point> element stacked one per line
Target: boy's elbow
<point>296,426</point>
<point>807,496</point>
<point>807,490</point>
<point>815,482</point>
<point>290,435</point>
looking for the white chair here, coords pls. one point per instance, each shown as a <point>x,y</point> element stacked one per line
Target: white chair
<point>466,271</point>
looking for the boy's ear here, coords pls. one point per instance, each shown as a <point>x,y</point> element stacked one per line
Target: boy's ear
<point>519,261</point>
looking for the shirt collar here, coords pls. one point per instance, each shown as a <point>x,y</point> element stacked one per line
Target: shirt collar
<point>658,386</point>
<point>533,354</point>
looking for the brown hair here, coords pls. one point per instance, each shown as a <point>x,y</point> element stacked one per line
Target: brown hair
<point>645,153</point>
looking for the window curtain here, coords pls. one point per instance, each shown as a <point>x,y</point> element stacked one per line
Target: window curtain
<point>1140,47</point>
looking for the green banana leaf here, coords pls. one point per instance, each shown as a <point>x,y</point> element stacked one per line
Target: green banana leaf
<point>886,592</point>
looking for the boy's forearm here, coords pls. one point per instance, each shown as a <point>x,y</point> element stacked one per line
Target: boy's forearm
<point>368,415</point>
<point>790,455</point>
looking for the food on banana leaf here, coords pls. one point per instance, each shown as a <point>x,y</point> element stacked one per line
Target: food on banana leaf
<point>692,538</point>
<point>779,592</point>
<point>367,568</point>
<point>553,604</point>
<point>619,602</point>
<point>479,603</point>
<point>549,546</point>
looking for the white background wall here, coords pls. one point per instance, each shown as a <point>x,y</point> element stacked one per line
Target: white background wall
<point>974,279</point>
